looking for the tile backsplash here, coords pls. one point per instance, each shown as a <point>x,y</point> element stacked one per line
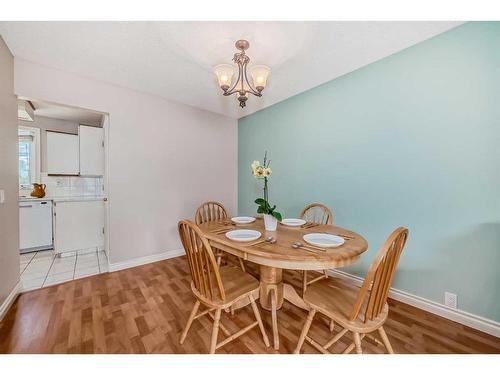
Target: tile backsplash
<point>72,186</point>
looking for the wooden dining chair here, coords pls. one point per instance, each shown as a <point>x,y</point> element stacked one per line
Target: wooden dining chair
<point>320,214</point>
<point>217,288</point>
<point>210,211</point>
<point>358,310</point>
<point>213,211</point>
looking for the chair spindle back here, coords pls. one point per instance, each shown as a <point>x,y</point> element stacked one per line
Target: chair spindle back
<point>202,263</point>
<point>379,276</point>
<point>317,213</point>
<point>210,211</point>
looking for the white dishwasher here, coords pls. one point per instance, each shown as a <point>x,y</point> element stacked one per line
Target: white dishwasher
<point>35,225</point>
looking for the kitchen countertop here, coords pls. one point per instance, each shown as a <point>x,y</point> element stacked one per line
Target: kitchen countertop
<point>78,199</point>
<point>63,199</point>
<point>31,199</point>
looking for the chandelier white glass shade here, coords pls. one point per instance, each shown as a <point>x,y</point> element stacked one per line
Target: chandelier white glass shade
<point>242,86</point>
<point>224,73</point>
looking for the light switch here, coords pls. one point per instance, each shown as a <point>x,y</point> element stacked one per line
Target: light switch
<point>2,196</point>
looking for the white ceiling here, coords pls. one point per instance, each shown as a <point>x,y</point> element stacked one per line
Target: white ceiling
<point>80,116</point>
<point>175,59</point>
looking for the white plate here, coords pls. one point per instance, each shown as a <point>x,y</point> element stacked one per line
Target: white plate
<point>293,222</point>
<point>323,239</point>
<point>243,235</point>
<point>243,219</point>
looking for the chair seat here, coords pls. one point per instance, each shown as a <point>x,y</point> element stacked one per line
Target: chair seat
<point>237,284</point>
<point>335,297</point>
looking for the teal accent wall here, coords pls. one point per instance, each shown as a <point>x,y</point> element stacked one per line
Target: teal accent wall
<point>411,140</point>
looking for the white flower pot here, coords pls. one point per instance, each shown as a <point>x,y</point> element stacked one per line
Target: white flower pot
<point>270,222</point>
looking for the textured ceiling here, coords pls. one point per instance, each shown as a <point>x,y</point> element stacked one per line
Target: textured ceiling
<point>175,59</point>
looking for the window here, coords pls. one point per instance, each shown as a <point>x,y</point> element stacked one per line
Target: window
<point>29,167</point>
<point>26,156</point>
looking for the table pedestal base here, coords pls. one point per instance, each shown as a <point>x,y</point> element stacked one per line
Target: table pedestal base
<point>271,287</point>
<point>272,294</point>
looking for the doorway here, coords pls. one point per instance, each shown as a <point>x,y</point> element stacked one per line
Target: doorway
<point>63,199</point>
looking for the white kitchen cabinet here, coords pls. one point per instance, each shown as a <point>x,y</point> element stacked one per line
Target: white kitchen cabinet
<point>62,153</point>
<point>78,225</point>
<point>91,150</point>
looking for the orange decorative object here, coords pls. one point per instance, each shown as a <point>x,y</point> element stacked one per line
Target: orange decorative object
<point>38,190</point>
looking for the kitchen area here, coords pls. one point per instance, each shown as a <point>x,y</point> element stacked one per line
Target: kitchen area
<point>62,195</point>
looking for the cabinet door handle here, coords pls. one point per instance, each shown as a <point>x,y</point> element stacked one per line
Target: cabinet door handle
<point>26,206</point>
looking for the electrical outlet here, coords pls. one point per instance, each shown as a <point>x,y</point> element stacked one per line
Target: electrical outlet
<point>450,300</point>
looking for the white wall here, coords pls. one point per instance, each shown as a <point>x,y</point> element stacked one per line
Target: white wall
<point>9,179</point>
<point>164,158</point>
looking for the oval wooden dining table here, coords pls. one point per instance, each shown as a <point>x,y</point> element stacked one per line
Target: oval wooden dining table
<point>273,258</point>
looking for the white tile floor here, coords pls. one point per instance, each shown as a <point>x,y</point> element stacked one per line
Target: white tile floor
<point>43,268</point>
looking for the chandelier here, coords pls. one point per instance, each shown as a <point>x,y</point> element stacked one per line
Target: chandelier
<point>242,86</point>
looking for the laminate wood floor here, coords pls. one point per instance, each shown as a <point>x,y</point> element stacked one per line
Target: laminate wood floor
<point>144,309</point>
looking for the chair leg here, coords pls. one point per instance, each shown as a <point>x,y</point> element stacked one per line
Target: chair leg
<point>221,326</point>
<point>348,349</point>
<point>385,340</point>
<point>325,273</point>
<point>259,320</point>
<point>215,331</point>
<point>274,316</point>
<point>332,325</point>
<point>304,283</point>
<point>190,321</point>
<point>242,265</point>
<point>305,330</point>
<point>357,342</point>
<point>336,338</point>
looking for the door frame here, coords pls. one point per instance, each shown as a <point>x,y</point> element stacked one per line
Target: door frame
<point>106,191</point>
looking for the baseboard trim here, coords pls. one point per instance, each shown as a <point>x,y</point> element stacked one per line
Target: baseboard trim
<point>145,260</point>
<point>474,321</point>
<point>9,300</point>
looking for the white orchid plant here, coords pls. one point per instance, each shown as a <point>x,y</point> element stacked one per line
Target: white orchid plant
<point>262,171</point>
